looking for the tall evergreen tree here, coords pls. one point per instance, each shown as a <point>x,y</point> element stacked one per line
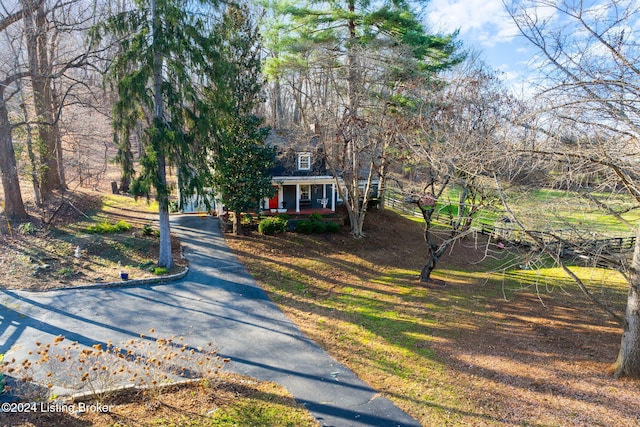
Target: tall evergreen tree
<point>242,159</point>
<point>164,46</point>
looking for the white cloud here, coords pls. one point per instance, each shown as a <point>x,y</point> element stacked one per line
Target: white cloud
<point>483,20</point>
<point>487,27</point>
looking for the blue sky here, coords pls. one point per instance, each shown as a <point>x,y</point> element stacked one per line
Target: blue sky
<point>486,26</point>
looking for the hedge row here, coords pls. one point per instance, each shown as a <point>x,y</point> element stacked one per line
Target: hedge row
<point>313,225</point>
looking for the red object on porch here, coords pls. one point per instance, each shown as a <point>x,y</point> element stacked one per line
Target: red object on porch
<point>273,202</point>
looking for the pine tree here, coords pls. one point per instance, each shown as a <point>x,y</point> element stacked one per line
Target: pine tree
<point>368,49</point>
<point>163,48</point>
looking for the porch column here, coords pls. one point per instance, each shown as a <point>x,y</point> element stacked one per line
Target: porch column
<point>280,195</point>
<point>297,198</point>
<point>333,196</point>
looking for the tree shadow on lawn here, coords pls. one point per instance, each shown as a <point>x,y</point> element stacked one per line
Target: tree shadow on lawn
<point>553,359</point>
<point>485,345</point>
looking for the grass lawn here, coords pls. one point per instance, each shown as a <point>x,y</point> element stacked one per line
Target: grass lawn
<point>559,210</point>
<point>508,341</point>
<point>502,344</point>
<point>547,209</point>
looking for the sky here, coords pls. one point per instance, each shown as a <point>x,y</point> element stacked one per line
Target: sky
<point>485,26</point>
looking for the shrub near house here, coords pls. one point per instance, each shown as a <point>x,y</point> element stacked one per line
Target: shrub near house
<point>272,225</point>
<point>314,225</point>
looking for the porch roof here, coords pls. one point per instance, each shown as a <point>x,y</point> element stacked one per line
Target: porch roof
<point>292,180</point>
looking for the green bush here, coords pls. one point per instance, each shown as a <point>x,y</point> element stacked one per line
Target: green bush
<point>148,230</point>
<point>160,271</point>
<point>318,227</point>
<point>27,228</point>
<point>272,225</point>
<point>315,225</point>
<point>304,227</point>
<point>101,228</point>
<point>106,227</point>
<point>315,217</point>
<point>123,225</point>
<point>66,272</point>
<point>149,265</point>
<point>333,227</point>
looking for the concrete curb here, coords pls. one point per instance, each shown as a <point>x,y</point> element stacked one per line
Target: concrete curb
<point>87,396</point>
<point>123,283</point>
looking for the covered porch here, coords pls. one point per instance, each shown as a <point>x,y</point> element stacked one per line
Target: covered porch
<point>303,194</point>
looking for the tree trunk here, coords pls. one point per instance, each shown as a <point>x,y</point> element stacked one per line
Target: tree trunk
<point>38,66</point>
<point>32,157</point>
<point>13,204</point>
<point>433,254</point>
<point>278,111</point>
<point>55,130</point>
<point>382,182</point>
<point>124,157</point>
<point>434,251</point>
<point>356,219</point>
<point>352,88</point>
<point>628,363</point>
<point>425,273</point>
<point>44,109</point>
<point>236,223</point>
<point>164,258</point>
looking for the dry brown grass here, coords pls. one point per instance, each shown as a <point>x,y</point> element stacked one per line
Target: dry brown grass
<point>474,353</point>
<point>235,397</point>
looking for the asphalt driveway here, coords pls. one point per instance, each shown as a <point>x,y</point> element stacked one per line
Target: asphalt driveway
<point>217,301</point>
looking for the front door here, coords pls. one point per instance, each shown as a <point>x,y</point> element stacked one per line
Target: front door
<point>273,202</point>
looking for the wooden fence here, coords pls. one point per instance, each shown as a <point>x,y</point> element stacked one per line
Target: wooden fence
<point>566,240</point>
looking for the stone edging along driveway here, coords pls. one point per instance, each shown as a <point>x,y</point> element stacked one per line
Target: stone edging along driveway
<point>125,283</point>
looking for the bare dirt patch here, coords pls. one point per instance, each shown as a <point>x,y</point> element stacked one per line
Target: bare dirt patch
<point>468,353</point>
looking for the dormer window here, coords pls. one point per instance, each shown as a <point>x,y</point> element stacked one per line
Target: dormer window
<point>304,161</point>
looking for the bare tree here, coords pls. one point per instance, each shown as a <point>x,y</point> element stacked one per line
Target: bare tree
<point>37,45</point>
<point>590,81</point>
<point>46,61</point>
<point>455,152</point>
<point>9,80</point>
<point>13,204</point>
<point>58,58</point>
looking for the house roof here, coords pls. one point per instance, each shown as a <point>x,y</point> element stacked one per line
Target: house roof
<point>289,144</point>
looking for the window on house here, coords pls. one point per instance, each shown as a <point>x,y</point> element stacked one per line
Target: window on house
<point>305,192</point>
<point>304,161</point>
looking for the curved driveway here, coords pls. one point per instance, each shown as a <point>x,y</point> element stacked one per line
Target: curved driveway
<point>217,301</point>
